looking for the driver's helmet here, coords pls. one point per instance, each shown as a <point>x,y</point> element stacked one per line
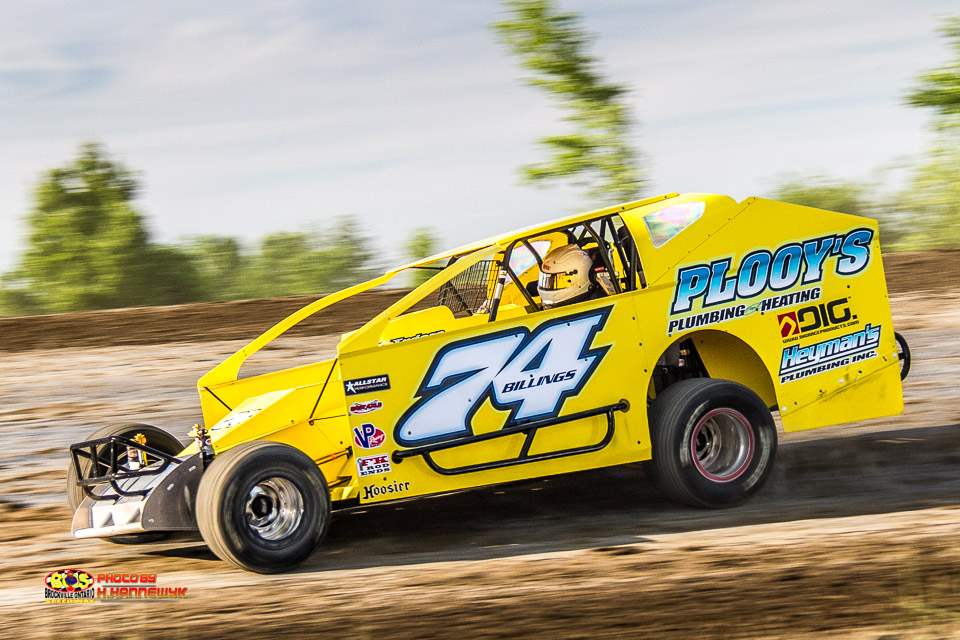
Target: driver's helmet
<point>564,276</point>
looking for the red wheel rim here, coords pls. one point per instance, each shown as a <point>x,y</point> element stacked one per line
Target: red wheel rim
<point>722,445</point>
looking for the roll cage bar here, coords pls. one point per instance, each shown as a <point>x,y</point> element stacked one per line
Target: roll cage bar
<point>628,258</point>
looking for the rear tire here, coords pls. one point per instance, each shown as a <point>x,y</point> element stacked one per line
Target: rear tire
<point>714,442</point>
<point>156,438</point>
<point>903,354</point>
<point>263,506</point>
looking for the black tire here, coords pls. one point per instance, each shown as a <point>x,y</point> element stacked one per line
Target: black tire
<point>714,442</point>
<point>903,353</point>
<point>156,438</point>
<point>263,506</point>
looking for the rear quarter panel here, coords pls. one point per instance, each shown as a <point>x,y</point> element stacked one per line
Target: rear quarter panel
<point>803,288</point>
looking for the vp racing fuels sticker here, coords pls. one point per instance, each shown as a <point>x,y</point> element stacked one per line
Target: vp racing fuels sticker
<point>798,362</point>
<point>531,373</point>
<point>368,436</point>
<point>712,288</point>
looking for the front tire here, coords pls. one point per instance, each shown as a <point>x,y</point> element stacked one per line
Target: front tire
<point>263,506</point>
<point>714,442</point>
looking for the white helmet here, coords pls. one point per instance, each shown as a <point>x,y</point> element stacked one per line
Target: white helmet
<point>564,275</point>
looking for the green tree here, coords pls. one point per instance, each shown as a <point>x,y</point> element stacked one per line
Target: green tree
<point>220,264</point>
<point>940,88</point>
<point>421,243</point>
<point>597,152</point>
<point>176,279</point>
<point>16,299</point>
<point>347,256</point>
<point>832,194</point>
<point>88,248</point>
<point>86,245</point>
<point>932,201</point>
<point>933,197</point>
<point>304,263</point>
<point>845,196</point>
<point>287,264</point>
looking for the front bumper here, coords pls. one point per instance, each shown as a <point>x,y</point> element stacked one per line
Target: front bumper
<point>158,497</point>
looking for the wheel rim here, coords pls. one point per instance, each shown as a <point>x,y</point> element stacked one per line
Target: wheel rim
<point>274,508</point>
<point>722,445</point>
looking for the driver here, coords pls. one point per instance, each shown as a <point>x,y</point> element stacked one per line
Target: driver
<point>565,277</point>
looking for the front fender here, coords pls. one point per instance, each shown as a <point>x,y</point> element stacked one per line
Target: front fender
<point>297,417</point>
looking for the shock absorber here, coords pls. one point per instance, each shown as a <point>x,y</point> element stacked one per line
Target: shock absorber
<point>137,458</point>
<point>204,444</point>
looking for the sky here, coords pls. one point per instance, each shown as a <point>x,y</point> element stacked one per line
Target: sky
<point>243,118</point>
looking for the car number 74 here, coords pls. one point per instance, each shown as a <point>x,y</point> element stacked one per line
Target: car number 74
<point>530,373</point>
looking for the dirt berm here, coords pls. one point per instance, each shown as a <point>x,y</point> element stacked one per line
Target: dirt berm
<point>934,271</point>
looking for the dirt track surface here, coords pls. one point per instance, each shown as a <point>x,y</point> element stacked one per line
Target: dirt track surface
<point>199,322</point>
<point>857,535</point>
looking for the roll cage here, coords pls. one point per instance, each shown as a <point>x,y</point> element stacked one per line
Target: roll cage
<point>480,289</point>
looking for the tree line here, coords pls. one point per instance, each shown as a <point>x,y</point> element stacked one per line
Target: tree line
<point>87,247</point>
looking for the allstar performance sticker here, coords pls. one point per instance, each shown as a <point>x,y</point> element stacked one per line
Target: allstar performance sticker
<point>366,385</point>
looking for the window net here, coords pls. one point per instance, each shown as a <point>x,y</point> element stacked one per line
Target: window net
<point>466,292</point>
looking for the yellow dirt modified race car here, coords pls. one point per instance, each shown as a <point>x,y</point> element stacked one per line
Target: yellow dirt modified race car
<point>667,330</point>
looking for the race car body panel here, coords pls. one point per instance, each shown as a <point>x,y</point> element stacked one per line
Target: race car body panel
<point>464,383</point>
<point>798,314</point>
<point>221,390</point>
<point>805,289</point>
<point>311,418</point>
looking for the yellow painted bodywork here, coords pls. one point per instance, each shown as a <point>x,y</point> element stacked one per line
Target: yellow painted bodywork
<point>624,337</point>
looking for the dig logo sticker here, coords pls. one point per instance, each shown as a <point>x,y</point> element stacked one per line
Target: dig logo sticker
<point>368,436</point>
<point>373,465</point>
<point>825,316</point>
<point>530,373</point>
<point>788,324</point>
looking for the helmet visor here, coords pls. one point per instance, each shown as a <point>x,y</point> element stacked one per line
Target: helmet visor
<point>554,281</point>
